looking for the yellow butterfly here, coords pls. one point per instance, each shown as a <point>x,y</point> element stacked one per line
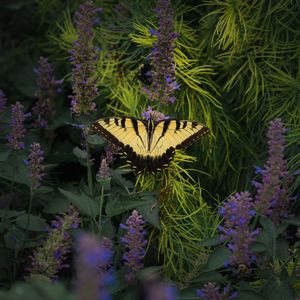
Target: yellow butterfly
<point>149,145</point>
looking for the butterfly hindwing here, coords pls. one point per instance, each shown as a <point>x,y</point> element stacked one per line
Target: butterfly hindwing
<point>149,145</point>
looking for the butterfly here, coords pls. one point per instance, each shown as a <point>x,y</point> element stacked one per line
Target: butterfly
<point>149,145</point>
<point>145,74</point>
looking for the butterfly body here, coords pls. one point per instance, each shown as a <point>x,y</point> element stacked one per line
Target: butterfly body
<point>145,74</point>
<point>149,145</point>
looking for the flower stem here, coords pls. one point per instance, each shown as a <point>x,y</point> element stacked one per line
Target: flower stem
<point>100,210</point>
<point>89,171</point>
<point>28,215</point>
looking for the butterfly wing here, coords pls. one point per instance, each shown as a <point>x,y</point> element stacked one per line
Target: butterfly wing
<point>127,133</point>
<point>170,134</point>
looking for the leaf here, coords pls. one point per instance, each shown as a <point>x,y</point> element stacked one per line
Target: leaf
<point>85,204</point>
<point>4,154</point>
<point>43,190</point>
<point>293,221</point>
<point>118,204</point>
<point>258,247</point>
<point>36,223</point>
<point>282,249</point>
<point>279,290</point>
<point>269,226</point>
<point>213,276</point>
<point>95,139</point>
<point>217,259</point>
<point>249,295</point>
<point>58,205</point>
<point>211,242</point>
<point>14,238</point>
<point>150,213</point>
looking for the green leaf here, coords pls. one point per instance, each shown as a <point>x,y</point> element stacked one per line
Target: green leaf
<point>217,259</point>
<point>95,140</point>
<point>293,221</point>
<point>118,204</point>
<point>269,226</point>
<point>211,242</point>
<point>14,238</point>
<point>282,249</point>
<point>150,213</point>
<point>85,204</point>
<point>258,247</point>
<point>279,290</point>
<point>43,190</point>
<point>36,223</point>
<point>4,154</point>
<point>249,295</point>
<point>213,276</point>
<point>59,204</point>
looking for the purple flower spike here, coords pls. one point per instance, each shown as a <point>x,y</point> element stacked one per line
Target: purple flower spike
<point>155,115</point>
<point>47,89</point>
<point>103,172</point>
<point>238,212</point>
<point>17,131</point>
<point>3,101</point>
<point>164,81</point>
<point>48,259</point>
<point>34,165</point>
<point>160,291</point>
<point>135,243</point>
<point>272,198</point>
<point>83,58</point>
<point>211,291</point>
<point>92,264</point>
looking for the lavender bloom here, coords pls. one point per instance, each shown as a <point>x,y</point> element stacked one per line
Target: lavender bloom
<point>272,198</point>
<point>211,291</point>
<point>135,242</point>
<point>34,165</point>
<point>163,82</point>
<point>3,101</point>
<point>17,131</point>
<point>237,212</point>
<point>160,291</point>
<point>48,259</point>
<point>47,89</point>
<point>83,59</point>
<point>92,262</point>
<point>110,152</point>
<point>153,114</point>
<point>103,172</point>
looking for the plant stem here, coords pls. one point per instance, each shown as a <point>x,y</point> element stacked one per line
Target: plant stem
<point>28,215</point>
<point>100,210</point>
<point>89,171</point>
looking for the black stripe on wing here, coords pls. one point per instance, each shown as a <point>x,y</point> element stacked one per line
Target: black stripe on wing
<point>194,137</point>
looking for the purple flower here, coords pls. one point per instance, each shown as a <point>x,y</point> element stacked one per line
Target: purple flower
<point>3,101</point>
<point>47,89</point>
<point>272,198</point>
<point>160,291</point>
<point>237,212</point>
<point>17,129</point>
<point>211,291</point>
<point>155,115</point>
<point>83,58</point>
<point>110,152</point>
<point>103,172</point>
<point>92,264</point>
<point>162,56</point>
<point>48,259</point>
<point>34,165</point>
<point>135,243</point>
